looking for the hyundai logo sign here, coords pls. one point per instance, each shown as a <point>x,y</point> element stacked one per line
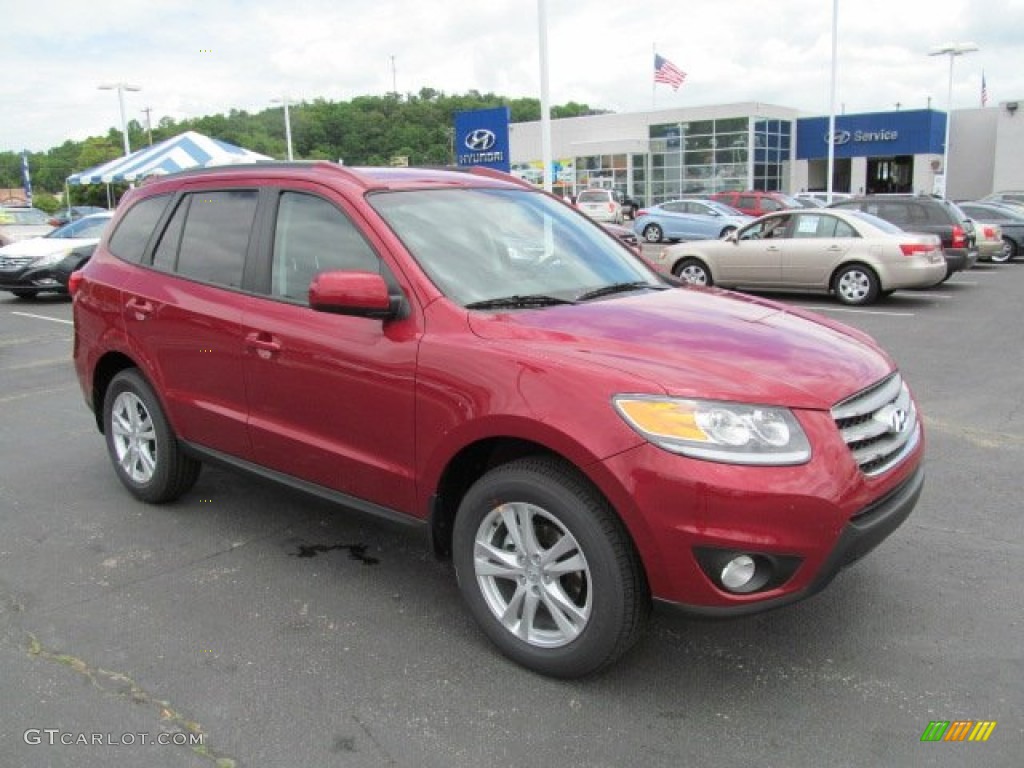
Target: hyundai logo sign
<point>480,140</point>
<point>838,138</point>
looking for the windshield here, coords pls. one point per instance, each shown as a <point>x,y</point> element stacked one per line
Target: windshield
<point>722,208</point>
<point>83,228</point>
<point>478,245</point>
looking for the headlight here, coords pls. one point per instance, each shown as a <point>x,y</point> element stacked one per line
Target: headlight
<point>733,433</point>
<point>50,259</point>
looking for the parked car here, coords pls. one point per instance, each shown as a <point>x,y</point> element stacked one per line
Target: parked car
<point>1013,197</point>
<point>73,213</point>
<point>630,206</point>
<point>22,223</point>
<point>1010,221</point>
<point>687,220</point>
<point>822,197</point>
<point>462,352</point>
<point>989,239</point>
<point>601,205</point>
<point>853,255</point>
<point>756,203</point>
<point>923,213</point>
<point>44,264</point>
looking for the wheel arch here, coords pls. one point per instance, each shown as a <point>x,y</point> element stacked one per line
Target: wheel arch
<point>474,460</point>
<point>107,367</point>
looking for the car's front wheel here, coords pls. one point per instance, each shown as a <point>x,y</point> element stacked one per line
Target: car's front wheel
<point>547,568</point>
<point>856,285</point>
<point>144,450</point>
<point>653,233</point>
<point>693,271</point>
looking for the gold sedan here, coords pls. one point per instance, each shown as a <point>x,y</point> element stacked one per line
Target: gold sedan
<point>853,255</point>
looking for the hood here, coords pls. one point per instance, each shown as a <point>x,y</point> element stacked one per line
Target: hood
<point>709,343</point>
<point>15,232</point>
<point>41,246</point>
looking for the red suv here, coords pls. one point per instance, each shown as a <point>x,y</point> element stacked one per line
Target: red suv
<point>468,354</point>
<point>756,203</point>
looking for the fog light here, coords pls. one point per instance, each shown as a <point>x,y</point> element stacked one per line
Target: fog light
<point>738,572</point>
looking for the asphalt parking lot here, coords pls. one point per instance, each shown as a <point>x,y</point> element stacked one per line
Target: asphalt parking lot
<point>271,630</point>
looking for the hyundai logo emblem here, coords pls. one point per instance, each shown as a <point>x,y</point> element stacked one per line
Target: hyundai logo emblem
<point>897,421</point>
<point>838,138</point>
<point>480,140</point>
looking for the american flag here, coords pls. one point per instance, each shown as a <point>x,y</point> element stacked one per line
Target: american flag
<point>984,90</point>
<point>667,72</point>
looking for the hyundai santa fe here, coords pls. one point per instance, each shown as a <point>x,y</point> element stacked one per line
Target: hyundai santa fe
<point>470,355</point>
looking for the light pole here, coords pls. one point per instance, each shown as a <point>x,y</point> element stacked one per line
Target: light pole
<point>287,123</point>
<point>952,50</point>
<point>121,88</point>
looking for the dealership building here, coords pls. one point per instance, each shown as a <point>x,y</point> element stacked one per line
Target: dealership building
<point>663,154</point>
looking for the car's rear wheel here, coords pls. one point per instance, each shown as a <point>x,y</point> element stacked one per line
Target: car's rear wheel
<point>693,271</point>
<point>856,285</point>
<point>547,568</point>
<point>653,233</point>
<point>144,450</point>
<point>1007,252</point>
<point>24,294</point>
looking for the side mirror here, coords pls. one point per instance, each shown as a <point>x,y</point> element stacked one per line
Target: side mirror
<point>362,294</point>
<point>732,237</point>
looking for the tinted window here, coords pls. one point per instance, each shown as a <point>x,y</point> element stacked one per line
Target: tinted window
<point>593,196</point>
<point>312,236</point>
<point>165,255</point>
<point>133,231</point>
<point>216,236</point>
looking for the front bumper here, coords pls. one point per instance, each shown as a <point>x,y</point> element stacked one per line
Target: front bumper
<point>803,523</point>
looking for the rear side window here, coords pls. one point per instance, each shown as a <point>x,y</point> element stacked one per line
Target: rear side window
<point>135,228</point>
<point>216,234</point>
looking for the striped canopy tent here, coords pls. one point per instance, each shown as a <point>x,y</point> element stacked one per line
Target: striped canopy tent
<point>187,150</point>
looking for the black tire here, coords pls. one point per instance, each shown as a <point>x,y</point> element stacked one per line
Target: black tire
<point>24,294</point>
<point>693,271</point>
<point>1008,252</point>
<point>144,451</point>
<point>653,233</point>
<point>856,285</point>
<point>595,583</point>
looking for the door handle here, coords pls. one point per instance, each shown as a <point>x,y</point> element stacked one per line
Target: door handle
<point>265,345</point>
<point>138,308</point>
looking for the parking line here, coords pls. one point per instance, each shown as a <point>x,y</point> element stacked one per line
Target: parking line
<point>859,311</point>
<point>44,317</point>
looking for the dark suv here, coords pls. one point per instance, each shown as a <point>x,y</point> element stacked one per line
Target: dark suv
<point>921,213</point>
<point>467,354</point>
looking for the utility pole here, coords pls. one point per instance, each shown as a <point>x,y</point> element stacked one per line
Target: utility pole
<point>394,77</point>
<point>149,124</point>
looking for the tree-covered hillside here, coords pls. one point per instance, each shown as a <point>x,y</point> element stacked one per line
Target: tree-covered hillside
<point>368,130</point>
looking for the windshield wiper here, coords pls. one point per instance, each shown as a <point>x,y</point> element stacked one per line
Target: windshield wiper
<point>608,290</point>
<point>532,300</point>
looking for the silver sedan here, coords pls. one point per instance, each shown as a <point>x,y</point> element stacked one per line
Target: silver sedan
<point>853,255</point>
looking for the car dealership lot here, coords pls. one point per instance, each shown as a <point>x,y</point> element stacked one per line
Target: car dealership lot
<point>287,632</point>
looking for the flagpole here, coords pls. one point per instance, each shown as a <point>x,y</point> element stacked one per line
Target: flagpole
<point>654,83</point>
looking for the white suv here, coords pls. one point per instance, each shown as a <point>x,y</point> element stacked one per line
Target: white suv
<point>601,205</point>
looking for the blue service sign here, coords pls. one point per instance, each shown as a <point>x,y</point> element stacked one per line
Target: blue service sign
<point>913,132</point>
<point>481,138</point>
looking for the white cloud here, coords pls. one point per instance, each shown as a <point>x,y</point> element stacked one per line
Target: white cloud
<point>194,59</point>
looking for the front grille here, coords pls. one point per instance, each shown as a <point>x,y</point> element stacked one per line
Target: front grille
<point>11,263</point>
<point>879,425</point>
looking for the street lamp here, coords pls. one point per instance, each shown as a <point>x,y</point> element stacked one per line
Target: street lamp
<point>952,50</point>
<point>121,88</point>
<point>287,123</point>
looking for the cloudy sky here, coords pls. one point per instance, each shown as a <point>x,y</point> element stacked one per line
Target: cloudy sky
<point>193,59</point>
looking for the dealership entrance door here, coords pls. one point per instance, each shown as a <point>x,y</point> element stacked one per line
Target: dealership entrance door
<point>817,173</point>
<point>890,174</point>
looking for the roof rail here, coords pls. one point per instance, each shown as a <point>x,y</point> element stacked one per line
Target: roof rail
<point>272,165</point>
